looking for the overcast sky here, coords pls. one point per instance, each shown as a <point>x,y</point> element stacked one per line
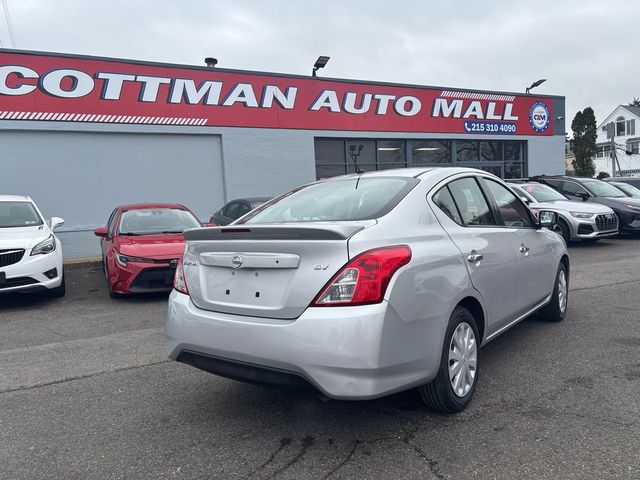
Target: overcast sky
<point>588,50</point>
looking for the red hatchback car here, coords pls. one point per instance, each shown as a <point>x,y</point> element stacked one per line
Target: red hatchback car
<point>141,245</point>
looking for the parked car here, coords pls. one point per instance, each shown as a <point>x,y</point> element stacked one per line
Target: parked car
<point>365,285</point>
<point>628,189</point>
<point>30,253</point>
<point>635,181</point>
<point>585,221</point>
<point>141,245</point>
<point>234,209</point>
<point>597,191</point>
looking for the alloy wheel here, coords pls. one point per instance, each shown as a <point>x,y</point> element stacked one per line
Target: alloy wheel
<point>562,290</point>
<point>463,358</point>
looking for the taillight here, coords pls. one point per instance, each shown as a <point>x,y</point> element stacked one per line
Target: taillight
<point>179,282</point>
<point>365,278</point>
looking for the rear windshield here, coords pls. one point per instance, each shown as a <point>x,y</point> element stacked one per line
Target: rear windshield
<point>18,214</point>
<point>150,221</point>
<point>355,198</point>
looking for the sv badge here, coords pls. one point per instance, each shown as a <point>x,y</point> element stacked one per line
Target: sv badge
<point>320,267</point>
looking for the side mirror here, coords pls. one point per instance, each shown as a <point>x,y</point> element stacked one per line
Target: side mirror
<point>56,222</point>
<point>548,219</point>
<point>101,232</point>
<point>584,196</point>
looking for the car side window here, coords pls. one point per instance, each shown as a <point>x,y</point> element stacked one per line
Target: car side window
<point>444,201</point>
<point>512,210</point>
<point>572,188</point>
<point>472,205</point>
<point>112,223</point>
<point>242,209</point>
<point>231,210</point>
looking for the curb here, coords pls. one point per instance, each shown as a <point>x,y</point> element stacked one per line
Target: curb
<point>83,261</point>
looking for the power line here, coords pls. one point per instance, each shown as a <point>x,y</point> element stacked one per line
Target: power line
<point>5,7</point>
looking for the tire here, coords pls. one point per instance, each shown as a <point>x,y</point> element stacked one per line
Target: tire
<point>439,395</point>
<point>556,309</point>
<point>566,231</point>
<point>60,290</point>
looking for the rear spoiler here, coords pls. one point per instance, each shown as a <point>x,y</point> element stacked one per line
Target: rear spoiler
<point>275,232</point>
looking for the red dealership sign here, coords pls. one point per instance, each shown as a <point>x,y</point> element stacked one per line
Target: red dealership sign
<point>45,87</point>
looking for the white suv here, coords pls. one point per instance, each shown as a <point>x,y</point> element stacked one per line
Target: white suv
<point>30,254</point>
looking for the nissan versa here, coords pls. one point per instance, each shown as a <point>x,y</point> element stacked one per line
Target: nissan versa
<point>369,284</point>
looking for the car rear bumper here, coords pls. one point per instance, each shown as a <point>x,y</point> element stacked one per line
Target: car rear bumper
<point>339,350</point>
<point>29,273</point>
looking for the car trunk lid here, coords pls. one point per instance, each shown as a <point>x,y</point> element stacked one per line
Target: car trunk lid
<point>270,271</point>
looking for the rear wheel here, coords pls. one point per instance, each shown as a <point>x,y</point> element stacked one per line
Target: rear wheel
<point>556,309</point>
<point>455,383</point>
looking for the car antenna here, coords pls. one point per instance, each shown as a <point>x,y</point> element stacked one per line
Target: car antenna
<point>354,156</point>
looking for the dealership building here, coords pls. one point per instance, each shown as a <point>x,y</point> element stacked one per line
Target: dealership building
<point>81,135</point>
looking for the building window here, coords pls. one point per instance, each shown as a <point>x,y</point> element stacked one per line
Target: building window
<point>430,151</point>
<point>330,158</point>
<point>603,151</point>
<point>334,156</point>
<point>391,154</point>
<point>634,147</point>
<point>620,126</point>
<point>362,152</point>
<point>467,151</point>
<point>631,127</point>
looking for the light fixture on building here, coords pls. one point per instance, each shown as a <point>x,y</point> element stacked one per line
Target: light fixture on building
<point>536,84</point>
<point>211,62</point>
<point>426,149</point>
<point>320,63</point>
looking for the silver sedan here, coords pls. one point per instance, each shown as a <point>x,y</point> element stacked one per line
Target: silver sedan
<point>369,284</point>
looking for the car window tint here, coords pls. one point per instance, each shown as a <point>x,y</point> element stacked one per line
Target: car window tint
<point>512,210</point>
<point>444,201</point>
<point>471,203</point>
<point>572,188</point>
<point>231,210</point>
<point>241,210</point>
<point>111,224</point>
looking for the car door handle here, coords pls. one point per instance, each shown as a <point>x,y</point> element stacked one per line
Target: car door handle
<point>524,249</point>
<point>474,257</point>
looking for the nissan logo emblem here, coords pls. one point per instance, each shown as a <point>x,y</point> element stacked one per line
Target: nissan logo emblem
<point>237,261</point>
<point>173,263</point>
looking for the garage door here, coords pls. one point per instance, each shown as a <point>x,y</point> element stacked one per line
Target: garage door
<point>81,176</point>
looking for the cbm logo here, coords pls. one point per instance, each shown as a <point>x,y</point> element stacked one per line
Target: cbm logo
<point>539,116</point>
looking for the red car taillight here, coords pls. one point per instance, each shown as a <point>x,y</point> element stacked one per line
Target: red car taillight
<point>364,279</point>
<point>179,281</point>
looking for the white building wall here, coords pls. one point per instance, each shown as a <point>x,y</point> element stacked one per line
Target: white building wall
<point>626,162</point>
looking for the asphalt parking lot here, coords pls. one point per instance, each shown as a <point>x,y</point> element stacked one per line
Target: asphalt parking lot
<point>86,392</point>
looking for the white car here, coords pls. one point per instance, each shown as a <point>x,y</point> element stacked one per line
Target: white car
<point>30,253</point>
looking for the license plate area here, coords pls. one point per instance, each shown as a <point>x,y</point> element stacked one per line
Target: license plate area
<point>261,288</point>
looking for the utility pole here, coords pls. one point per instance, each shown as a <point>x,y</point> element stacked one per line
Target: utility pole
<point>615,166</point>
